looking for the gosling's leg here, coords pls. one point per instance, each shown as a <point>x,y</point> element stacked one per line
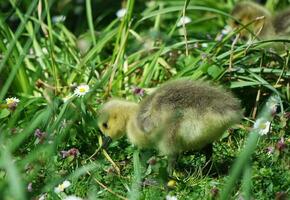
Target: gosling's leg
<point>208,151</point>
<point>172,160</point>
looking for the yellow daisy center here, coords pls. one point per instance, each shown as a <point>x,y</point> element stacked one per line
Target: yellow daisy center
<point>263,126</point>
<point>61,187</point>
<point>82,90</point>
<point>9,101</point>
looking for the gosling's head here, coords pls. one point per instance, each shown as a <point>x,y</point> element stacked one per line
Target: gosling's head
<point>113,117</point>
<point>247,12</point>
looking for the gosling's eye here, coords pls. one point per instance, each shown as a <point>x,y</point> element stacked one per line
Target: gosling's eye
<point>105,125</point>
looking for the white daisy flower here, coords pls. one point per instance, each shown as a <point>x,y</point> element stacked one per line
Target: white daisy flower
<point>262,126</point>
<point>44,50</point>
<point>121,13</point>
<point>72,197</point>
<point>81,90</point>
<point>58,18</point>
<point>183,20</point>
<point>42,196</point>
<point>204,45</point>
<point>272,104</point>
<point>12,100</point>
<point>62,187</point>
<point>169,197</point>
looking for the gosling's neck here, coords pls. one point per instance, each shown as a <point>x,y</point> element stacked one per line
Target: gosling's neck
<point>129,110</point>
<point>135,135</point>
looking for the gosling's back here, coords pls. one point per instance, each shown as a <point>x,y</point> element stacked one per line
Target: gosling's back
<point>187,115</point>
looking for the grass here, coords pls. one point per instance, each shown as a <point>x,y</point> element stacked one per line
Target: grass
<point>42,61</point>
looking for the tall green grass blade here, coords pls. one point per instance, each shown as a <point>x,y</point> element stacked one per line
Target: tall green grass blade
<point>105,38</point>
<point>90,21</point>
<point>134,193</point>
<point>16,185</point>
<point>243,160</point>
<point>118,59</point>
<point>239,164</point>
<point>53,64</point>
<point>41,117</point>
<point>19,60</point>
<point>18,34</point>
<point>150,69</point>
<point>247,182</point>
<point>14,71</point>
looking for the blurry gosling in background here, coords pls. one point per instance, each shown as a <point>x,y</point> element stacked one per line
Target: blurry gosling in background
<point>180,115</point>
<point>281,23</point>
<point>264,25</point>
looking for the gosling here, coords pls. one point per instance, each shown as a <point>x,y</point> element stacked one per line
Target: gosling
<point>281,23</point>
<point>261,22</point>
<point>181,115</point>
<point>258,18</point>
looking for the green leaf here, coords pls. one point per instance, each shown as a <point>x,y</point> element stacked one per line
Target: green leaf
<point>239,84</point>
<point>214,71</point>
<point>4,113</point>
<point>83,106</point>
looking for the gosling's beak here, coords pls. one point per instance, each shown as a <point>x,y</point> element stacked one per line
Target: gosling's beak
<point>106,142</point>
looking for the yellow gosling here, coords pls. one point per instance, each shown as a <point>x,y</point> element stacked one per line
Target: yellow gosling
<point>181,115</point>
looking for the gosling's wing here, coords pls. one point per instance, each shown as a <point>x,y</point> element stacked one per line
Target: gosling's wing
<point>163,107</point>
<point>179,96</point>
<point>147,119</point>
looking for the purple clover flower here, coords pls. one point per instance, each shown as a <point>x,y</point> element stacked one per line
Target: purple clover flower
<point>270,150</point>
<point>71,152</point>
<point>40,135</point>
<point>138,91</point>
<point>281,144</point>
